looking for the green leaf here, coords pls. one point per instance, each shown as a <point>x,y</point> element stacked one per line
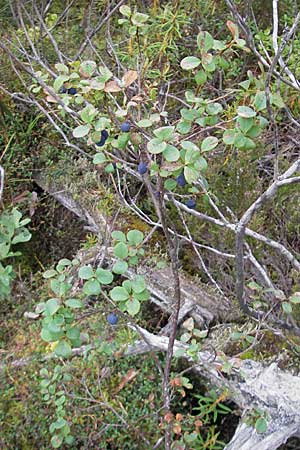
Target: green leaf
<point>188,145</point>
<point>155,146</point>
<point>254,132</point>
<point>208,66</point>
<point>170,185</point>
<point>99,158</point>
<point>138,285</point>
<point>81,131</point>
<point>135,237</point>
<point>287,307</point>
<point>63,349</point>
<point>243,142</point>
<point>171,153</point>
<point>59,81</point>
<point>276,100</point>
<point>118,236</point>
<point>73,333</point>
<point>260,101</point>
<point>49,273</point>
<point>133,306</point>
<point>102,123</point>
<point>245,84</point>
<point>295,298</point>
<point>88,114</point>
<point>61,68</point>
<point>245,124</point>
<point>191,175</point>
<point>120,267</point>
<point>183,127</point>
<point>229,137</point>
<point>139,19</point>
<point>119,294</point>
<point>104,276</point>
<point>200,77</point>
<point>52,305</point>
<point>64,262</point>
<point>261,425</point>
<point>125,10</point>
<point>209,143</point>
<point>86,272</point>
<point>121,250</point>
<point>144,123</point>
<point>179,352</point>
<point>164,133</point>
<point>87,68</point>
<point>214,108</point>
<point>23,236</point>
<point>246,111</point>
<point>74,303</point>
<point>190,62</point>
<point>92,287</point>
<point>205,41</point>
<point>57,440</point>
<point>47,336</point>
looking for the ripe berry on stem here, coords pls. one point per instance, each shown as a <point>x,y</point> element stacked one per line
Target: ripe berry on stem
<point>112,319</point>
<point>142,168</point>
<point>191,203</point>
<point>125,127</point>
<point>181,181</point>
<point>72,91</point>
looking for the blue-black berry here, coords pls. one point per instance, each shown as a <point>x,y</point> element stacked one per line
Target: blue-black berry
<point>142,168</point>
<point>181,181</point>
<point>72,91</point>
<point>125,127</point>
<point>191,203</point>
<point>63,90</point>
<point>112,319</point>
<point>104,134</point>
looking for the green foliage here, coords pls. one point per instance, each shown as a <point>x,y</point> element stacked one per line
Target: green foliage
<point>13,231</point>
<point>258,419</point>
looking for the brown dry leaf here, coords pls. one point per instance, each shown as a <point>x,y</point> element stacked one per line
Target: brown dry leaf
<point>112,86</point>
<point>129,77</point>
<point>233,28</point>
<point>137,98</point>
<point>83,73</point>
<point>51,99</point>
<point>168,417</point>
<point>176,382</point>
<point>131,374</point>
<point>179,417</point>
<point>133,104</point>
<point>21,197</point>
<point>198,423</point>
<point>177,429</point>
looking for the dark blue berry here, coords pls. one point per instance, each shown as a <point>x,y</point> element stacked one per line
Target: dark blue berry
<point>72,91</point>
<point>104,134</point>
<point>142,168</point>
<point>112,319</point>
<point>125,127</point>
<point>63,90</point>
<point>101,142</point>
<point>191,203</point>
<point>181,181</point>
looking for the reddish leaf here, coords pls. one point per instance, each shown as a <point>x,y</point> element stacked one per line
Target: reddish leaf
<point>131,374</point>
<point>233,28</point>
